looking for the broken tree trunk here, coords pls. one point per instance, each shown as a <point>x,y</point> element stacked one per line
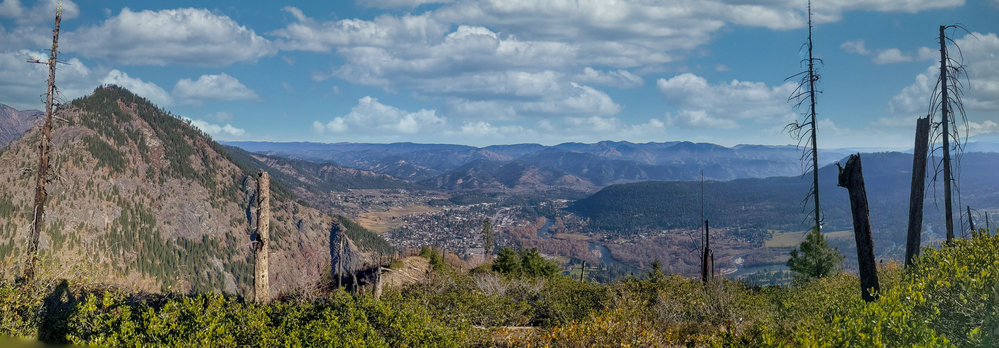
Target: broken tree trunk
<point>917,190</point>
<point>41,174</point>
<point>706,254</point>
<point>261,286</point>
<point>971,223</point>
<point>851,177</point>
<point>376,293</point>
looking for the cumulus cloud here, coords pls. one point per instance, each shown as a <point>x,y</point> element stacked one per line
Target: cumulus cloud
<point>896,122</point>
<point>220,116</point>
<point>401,4</point>
<point>486,129</point>
<point>525,55</point>
<point>370,115</point>
<point>855,46</point>
<point>981,92</point>
<point>21,84</point>
<point>184,36</point>
<point>988,126</point>
<point>43,11</point>
<point>148,90</point>
<point>618,78</point>
<point>704,105</point>
<point>890,56</point>
<point>214,129</point>
<point>213,87</point>
<point>699,119</point>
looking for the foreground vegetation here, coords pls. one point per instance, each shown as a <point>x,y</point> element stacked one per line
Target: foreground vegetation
<point>948,298</point>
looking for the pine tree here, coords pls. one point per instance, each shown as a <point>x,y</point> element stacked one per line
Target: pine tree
<point>815,258</point>
<point>488,237</point>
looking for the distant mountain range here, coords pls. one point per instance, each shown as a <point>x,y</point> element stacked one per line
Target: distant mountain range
<point>13,123</point>
<point>534,166</point>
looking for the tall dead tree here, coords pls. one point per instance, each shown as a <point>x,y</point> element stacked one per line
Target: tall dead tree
<point>851,177</point>
<point>44,147</point>
<point>706,253</point>
<point>917,190</point>
<point>807,128</point>
<point>261,285</point>
<point>946,98</point>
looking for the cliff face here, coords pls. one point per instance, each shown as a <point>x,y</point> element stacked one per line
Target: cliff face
<point>139,197</point>
<point>13,123</point>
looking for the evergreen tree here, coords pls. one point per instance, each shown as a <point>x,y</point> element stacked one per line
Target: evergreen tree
<point>815,259</point>
<point>488,237</point>
<point>532,264</point>
<point>507,261</point>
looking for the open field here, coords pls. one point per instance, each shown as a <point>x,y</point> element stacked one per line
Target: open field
<point>781,239</point>
<point>385,220</point>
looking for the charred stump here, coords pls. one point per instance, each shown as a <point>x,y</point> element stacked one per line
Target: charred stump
<point>917,190</point>
<point>851,177</point>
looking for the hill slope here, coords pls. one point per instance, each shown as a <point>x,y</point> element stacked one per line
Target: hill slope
<point>313,181</point>
<point>140,197</point>
<point>775,203</point>
<point>13,123</point>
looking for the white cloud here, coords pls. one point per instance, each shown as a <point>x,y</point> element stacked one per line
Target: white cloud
<point>926,53</point>
<point>184,36</point>
<point>148,90</point>
<point>618,78</point>
<point>220,116</point>
<point>981,90</point>
<point>896,122</point>
<point>43,11</point>
<point>721,67</point>
<point>214,129</point>
<point>212,87</point>
<point>890,56</point>
<point>371,116</point>
<point>524,55</point>
<point>287,87</point>
<point>855,46</point>
<point>721,105</point>
<point>401,4</point>
<point>21,84</point>
<point>699,119</point>
<point>486,129</point>
<point>988,126</point>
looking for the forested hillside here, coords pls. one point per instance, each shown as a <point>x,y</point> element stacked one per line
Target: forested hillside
<point>141,198</point>
<point>776,203</point>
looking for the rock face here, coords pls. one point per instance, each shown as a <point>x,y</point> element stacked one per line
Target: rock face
<point>141,198</point>
<point>13,123</point>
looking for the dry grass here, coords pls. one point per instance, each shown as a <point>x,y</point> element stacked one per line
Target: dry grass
<point>781,239</point>
<point>386,220</point>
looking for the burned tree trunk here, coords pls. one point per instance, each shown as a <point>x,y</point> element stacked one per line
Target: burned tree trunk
<point>851,177</point>
<point>971,223</point>
<point>706,254</point>
<point>945,122</point>
<point>261,287</point>
<point>917,190</point>
<point>41,174</point>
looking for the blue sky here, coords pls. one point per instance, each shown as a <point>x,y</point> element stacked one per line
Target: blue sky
<point>510,71</point>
